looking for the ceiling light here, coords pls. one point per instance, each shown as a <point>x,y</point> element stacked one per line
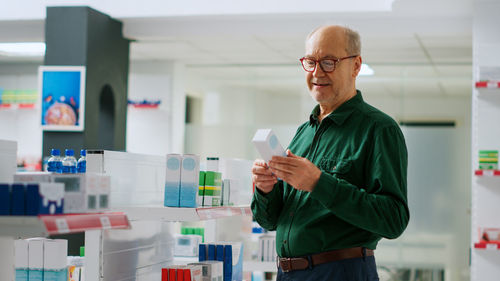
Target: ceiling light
<point>366,70</point>
<point>31,49</point>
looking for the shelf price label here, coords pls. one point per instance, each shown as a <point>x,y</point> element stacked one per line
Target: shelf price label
<point>491,246</point>
<point>488,173</point>
<point>62,225</point>
<point>105,223</point>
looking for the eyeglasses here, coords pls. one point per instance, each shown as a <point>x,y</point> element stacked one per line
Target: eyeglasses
<point>327,65</point>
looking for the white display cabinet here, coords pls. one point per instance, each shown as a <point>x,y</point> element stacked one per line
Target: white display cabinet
<point>137,189</point>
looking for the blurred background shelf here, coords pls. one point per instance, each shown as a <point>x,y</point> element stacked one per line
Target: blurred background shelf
<point>25,226</point>
<point>183,214</point>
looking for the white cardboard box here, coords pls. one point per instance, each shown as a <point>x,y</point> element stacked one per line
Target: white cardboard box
<point>266,142</point>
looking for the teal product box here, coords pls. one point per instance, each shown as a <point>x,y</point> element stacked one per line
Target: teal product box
<point>173,180</point>
<point>35,260</point>
<point>55,260</point>
<point>190,173</point>
<point>21,259</point>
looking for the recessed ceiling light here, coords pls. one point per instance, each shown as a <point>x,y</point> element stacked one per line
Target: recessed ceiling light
<point>24,49</point>
<point>366,70</point>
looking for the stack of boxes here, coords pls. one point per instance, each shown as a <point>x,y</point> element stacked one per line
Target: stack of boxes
<point>488,159</point>
<point>31,199</point>
<point>267,248</point>
<point>189,272</point>
<point>182,180</point>
<point>40,259</point>
<point>82,193</point>
<point>230,254</point>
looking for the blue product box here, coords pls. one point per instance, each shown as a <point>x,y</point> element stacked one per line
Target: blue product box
<point>219,253</point>
<point>32,199</point>
<point>18,200</point>
<point>172,180</point>
<point>190,174</point>
<point>202,253</point>
<point>233,261</point>
<point>4,199</point>
<point>211,252</point>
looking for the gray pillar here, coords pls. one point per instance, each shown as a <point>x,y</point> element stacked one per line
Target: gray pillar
<point>81,36</point>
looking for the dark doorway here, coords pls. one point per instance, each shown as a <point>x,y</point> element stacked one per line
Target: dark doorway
<point>106,133</point>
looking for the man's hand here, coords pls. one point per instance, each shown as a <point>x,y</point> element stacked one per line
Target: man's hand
<point>297,171</point>
<point>262,176</point>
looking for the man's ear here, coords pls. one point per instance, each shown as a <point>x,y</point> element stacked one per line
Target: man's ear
<point>357,66</point>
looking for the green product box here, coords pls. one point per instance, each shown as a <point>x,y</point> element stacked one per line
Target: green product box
<point>213,189</point>
<point>201,189</point>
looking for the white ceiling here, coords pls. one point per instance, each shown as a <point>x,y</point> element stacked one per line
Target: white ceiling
<point>420,48</point>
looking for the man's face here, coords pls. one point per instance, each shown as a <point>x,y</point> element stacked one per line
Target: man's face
<point>330,88</point>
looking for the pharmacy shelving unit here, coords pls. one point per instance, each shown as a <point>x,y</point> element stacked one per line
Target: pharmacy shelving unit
<point>13,227</point>
<point>184,214</point>
<point>485,207</point>
<point>148,246</point>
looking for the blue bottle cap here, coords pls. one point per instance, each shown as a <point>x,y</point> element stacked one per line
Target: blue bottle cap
<point>83,152</point>
<point>69,152</point>
<point>55,152</point>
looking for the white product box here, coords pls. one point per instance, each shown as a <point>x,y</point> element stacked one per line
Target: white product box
<point>173,180</point>
<point>35,259</point>
<point>187,245</point>
<point>267,144</point>
<point>55,254</point>
<point>241,184</point>
<point>8,160</point>
<point>190,173</point>
<point>211,270</point>
<point>83,193</point>
<point>51,200</point>
<point>196,272</point>
<point>136,179</point>
<point>21,259</point>
<point>98,188</point>
<point>213,164</point>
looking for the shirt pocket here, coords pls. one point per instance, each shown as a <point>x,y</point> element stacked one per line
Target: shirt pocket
<point>335,166</point>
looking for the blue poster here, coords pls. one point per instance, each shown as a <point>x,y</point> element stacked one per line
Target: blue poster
<point>62,98</point>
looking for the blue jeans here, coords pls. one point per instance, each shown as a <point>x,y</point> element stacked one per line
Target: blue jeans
<point>357,269</point>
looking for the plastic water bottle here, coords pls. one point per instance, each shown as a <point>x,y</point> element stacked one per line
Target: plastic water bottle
<point>81,167</point>
<point>54,164</point>
<point>69,162</point>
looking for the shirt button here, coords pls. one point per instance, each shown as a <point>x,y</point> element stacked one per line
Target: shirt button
<point>284,241</point>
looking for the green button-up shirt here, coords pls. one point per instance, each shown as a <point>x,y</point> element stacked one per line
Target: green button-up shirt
<point>360,196</point>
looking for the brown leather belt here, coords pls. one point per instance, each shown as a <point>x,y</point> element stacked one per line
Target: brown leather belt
<point>290,264</point>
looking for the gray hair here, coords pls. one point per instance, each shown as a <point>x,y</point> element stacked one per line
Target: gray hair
<point>353,46</point>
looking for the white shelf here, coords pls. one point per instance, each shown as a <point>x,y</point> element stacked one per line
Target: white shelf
<point>45,225</point>
<point>183,214</point>
<point>251,266</point>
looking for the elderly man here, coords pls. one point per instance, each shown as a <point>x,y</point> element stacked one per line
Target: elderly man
<point>342,186</point>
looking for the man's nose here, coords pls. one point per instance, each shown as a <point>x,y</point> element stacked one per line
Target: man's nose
<point>318,71</point>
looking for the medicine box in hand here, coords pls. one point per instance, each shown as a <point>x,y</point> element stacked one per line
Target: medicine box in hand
<point>267,144</point>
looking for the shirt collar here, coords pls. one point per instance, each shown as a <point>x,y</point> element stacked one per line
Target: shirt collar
<point>340,114</point>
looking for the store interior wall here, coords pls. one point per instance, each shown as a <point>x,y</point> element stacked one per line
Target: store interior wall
<point>227,116</point>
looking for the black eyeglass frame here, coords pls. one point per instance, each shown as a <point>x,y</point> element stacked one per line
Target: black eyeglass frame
<point>335,62</point>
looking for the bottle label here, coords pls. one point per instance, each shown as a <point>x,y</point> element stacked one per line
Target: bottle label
<point>52,166</point>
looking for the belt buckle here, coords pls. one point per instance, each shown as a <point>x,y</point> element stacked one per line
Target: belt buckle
<point>288,264</point>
